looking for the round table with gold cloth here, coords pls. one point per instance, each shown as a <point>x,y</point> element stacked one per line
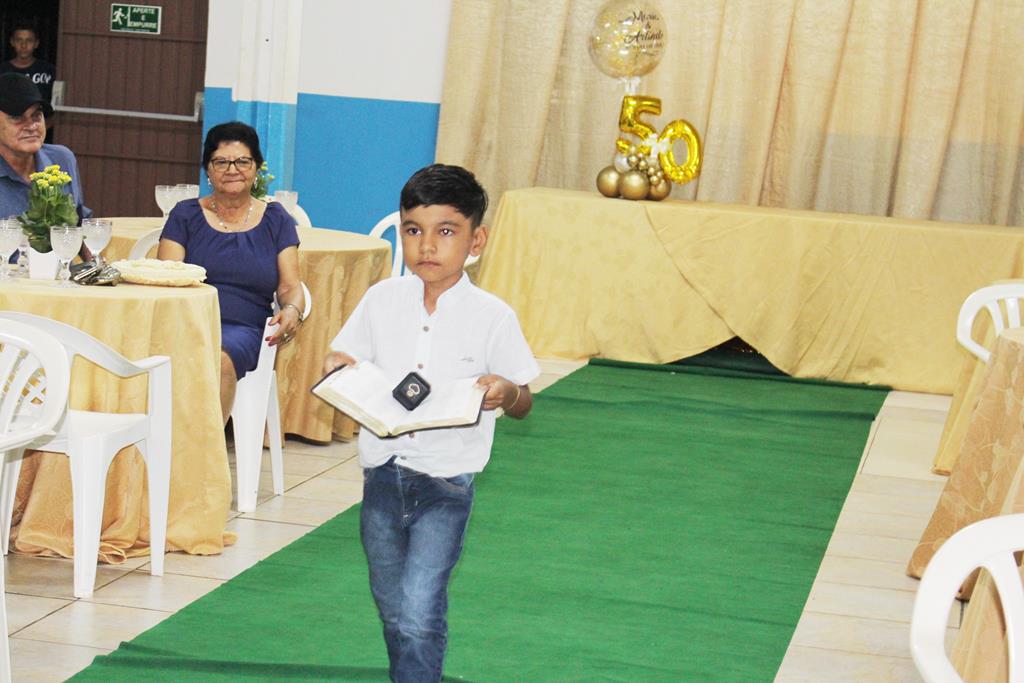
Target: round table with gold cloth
<point>337,267</point>
<point>987,480</point>
<point>136,321</point>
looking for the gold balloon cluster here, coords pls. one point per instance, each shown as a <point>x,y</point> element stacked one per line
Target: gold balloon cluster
<point>634,176</point>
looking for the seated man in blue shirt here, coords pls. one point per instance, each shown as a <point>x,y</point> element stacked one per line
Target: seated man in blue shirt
<point>22,152</point>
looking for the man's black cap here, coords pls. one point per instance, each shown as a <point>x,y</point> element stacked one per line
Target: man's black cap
<point>18,93</point>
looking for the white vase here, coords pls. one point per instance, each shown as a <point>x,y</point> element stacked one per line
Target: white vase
<point>42,266</point>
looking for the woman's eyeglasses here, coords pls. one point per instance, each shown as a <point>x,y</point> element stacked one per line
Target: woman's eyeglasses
<point>241,163</point>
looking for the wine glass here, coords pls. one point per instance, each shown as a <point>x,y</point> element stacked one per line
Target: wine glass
<point>288,199</point>
<point>96,232</point>
<point>10,238</point>
<point>66,241</point>
<point>166,198</point>
<point>184,191</point>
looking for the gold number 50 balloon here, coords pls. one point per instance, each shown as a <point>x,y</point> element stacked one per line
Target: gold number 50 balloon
<point>630,123</point>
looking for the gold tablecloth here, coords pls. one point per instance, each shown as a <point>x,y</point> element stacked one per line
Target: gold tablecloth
<point>137,321</point>
<point>337,267</point>
<point>844,297</point>
<point>987,480</point>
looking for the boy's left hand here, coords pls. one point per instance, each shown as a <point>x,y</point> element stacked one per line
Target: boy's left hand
<point>498,390</point>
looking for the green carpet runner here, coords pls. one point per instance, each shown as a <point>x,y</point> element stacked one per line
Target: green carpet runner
<point>645,523</point>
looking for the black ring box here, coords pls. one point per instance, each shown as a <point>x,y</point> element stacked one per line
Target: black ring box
<point>411,391</point>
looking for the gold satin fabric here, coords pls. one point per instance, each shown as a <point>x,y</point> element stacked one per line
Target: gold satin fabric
<point>843,297</point>
<point>136,321</point>
<point>870,107</point>
<point>337,267</point>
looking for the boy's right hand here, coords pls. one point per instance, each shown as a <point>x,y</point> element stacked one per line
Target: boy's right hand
<point>335,359</point>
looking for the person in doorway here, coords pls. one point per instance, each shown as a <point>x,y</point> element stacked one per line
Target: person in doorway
<point>248,247</point>
<point>24,42</point>
<point>22,150</point>
<point>418,488</point>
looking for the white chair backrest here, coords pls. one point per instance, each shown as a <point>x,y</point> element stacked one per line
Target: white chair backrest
<point>990,299</point>
<point>24,352</point>
<point>391,221</point>
<point>145,243</point>
<point>990,544</point>
<point>301,217</point>
<point>77,342</point>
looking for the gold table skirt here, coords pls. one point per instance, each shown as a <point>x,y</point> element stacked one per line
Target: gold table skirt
<point>337,267</point>
<point>843,297</point>
<point>987,480</point>
<point>136,321</point>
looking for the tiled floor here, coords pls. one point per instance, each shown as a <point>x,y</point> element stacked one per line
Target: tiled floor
<point>854,627</point>
<point>856,623</point>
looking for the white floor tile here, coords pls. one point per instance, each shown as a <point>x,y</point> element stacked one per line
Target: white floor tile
<point>815,665</point>
<point>331,490</point>
<point>908,399</point>
<point>853,634</point>
<point>43,662</point>
<point>167,593</point>
<point>883,504</point>
<point>866,573</point>
<point>93,625</point>
<point>846,544</point>
<point>299,510</point>
<point>23,610</point>
<point>885,525</point>
<point>54,577</point>
<point>904,447</point>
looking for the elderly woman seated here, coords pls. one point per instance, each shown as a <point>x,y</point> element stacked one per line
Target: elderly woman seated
<point>249,249</point>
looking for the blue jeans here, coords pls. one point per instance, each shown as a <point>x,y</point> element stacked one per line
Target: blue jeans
<point>413,526</point>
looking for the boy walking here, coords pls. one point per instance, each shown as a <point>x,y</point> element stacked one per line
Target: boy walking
<point>418,488</point>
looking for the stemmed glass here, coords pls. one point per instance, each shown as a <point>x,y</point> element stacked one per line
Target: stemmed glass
<point>96,232</point>
<point>166,198</point>
<point>10,238</point>
<point>288,199</point>
<point>23,255</point>
<point>66,241</point>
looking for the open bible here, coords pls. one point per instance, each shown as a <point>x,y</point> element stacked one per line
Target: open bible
<point>363,391</point>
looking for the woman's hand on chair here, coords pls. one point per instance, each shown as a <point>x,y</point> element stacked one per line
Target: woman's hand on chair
<point>287,321</point>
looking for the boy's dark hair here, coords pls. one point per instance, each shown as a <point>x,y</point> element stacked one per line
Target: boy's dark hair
<point>25,25</point>
<point>233,131</point>
<point>449,185</point>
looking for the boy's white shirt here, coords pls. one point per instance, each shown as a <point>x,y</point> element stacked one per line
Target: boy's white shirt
<point>470,333</point>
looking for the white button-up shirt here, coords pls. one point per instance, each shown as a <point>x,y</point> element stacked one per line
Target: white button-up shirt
<point>470,333</point>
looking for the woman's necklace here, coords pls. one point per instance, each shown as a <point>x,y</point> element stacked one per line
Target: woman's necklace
<point>223,225</point>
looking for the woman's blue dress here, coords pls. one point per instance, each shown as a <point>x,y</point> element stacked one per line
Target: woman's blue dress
<point>243,268</point>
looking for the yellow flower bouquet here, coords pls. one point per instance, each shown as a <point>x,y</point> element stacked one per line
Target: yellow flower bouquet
<point>48,204</point>
<point>262,182</point>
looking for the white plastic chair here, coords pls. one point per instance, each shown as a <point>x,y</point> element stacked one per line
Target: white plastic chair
<point>144,244</point>
<point>257,406</point>
<point>301,217</point>
<point>391,221</point>
<point>989,298</point>
<point>991,544</point>
<point>92,439</point>
<point>25,352</point>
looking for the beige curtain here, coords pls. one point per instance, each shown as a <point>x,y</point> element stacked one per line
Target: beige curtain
<point>884,107</point>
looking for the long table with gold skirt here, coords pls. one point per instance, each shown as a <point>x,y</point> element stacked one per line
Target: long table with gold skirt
<point>136,321</point>
<point>843,297</point>
<point>337,267</point>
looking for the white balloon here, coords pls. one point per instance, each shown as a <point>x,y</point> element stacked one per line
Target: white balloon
<point>621,163</point>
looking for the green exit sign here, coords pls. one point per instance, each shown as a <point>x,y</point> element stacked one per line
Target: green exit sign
<point>135,18</point>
